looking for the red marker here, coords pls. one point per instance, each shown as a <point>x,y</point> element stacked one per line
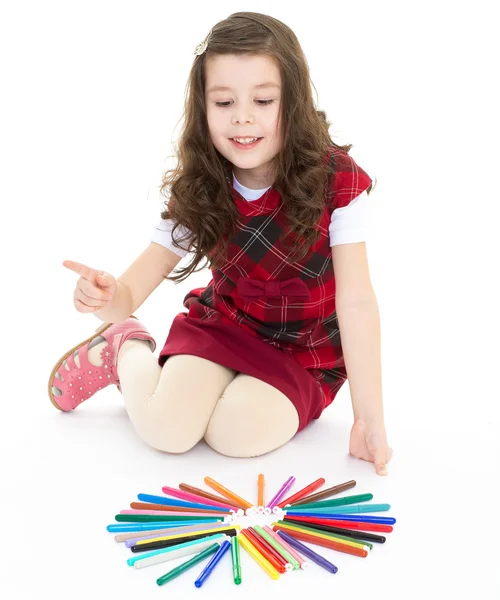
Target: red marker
<point>303,492</point>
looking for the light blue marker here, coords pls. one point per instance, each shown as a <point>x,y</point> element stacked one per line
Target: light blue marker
<point>152,525</point>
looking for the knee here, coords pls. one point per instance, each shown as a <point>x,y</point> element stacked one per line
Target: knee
<point>164,435</point>
<point>240,425</point>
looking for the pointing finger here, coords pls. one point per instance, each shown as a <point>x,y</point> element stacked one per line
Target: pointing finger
<point>86,272</point>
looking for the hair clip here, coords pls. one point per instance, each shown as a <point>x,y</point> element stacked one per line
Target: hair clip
<point>200,48</point>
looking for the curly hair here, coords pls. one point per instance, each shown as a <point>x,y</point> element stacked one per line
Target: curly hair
<point>200,197</point>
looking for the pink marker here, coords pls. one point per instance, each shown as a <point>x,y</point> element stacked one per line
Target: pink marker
<point>303,563</point>
<point>171,513</point>
<point>194,497</point>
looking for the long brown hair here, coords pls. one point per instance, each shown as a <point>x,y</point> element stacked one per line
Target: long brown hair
<point>200,197</point>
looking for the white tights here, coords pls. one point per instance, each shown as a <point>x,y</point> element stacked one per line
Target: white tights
<point>173,407</point>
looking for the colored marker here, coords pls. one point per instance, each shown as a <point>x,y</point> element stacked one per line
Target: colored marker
<point>127,527</point>
<point>356,518</point>
<point>342,524</point>
<point>263,551</point>
<point>214,561</point>
<point>258,541</point>
<point>260,493</point>
<point>278,547</point>
<point>258,558</point>
<point>173,502</point>
<point>281,492</point>
<point>168,513</point>
<point>336,489</point>
<point>303,563</point>
<point>189,497</point>
<point>349,533</point>
<point>340,539</point>
<point>227,493</point>
<point>235,559</point>
<point>303,492</point>
<point>337,502</point>
<point>170,507</point>
<point>341,510</point>
<point>153,518</point>
<point>207,530</point>
<point>314,556</point>
<point>321,541</point>
<point>172,542</point>
<point>178,551</point>
<point>203,494</point>
<point>187,565</point>
<point>178,533</point>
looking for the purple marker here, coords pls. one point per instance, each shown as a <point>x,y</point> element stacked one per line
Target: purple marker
<point>317,558</point>
<point>281,492</point>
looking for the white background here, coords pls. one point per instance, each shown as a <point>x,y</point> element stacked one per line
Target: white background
<point>92,94</point>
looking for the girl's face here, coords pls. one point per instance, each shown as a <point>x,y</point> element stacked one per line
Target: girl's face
<point>244,108</point>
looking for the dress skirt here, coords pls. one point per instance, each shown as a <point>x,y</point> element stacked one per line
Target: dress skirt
<point>232,347</point>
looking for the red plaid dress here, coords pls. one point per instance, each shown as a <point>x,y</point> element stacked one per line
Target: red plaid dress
<point>267,318</point>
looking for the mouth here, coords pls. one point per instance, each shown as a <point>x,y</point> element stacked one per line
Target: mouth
<point>246,145</point>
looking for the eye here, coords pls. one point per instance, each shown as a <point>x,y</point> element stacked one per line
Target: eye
<point>260,102</point>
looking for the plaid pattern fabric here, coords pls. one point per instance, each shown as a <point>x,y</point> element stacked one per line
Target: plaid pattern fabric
<point>290,306</point>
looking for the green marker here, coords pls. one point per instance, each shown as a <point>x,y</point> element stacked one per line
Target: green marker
<point>188,564</point>
<point>235,556</point>
<point>336,502</point>
<point>139,518</point>
<point>277,546</point>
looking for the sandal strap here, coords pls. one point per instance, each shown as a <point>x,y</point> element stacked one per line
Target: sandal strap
<point>85,381</point>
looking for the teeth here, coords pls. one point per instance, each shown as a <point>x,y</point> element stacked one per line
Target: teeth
<point>245,140</point>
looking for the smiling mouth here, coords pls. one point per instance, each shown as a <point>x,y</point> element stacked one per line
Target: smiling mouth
<point>245,145</point>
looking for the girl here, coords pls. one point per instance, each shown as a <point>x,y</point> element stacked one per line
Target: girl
<point>262,192</point>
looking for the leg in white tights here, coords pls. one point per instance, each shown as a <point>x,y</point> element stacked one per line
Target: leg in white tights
<point>170,407</point>
<point>251,418</point>
<point>174,407</point>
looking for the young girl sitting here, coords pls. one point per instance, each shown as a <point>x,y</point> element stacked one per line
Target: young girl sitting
<point>276,207</point>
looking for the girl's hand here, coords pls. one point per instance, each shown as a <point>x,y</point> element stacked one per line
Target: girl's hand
<point>369,442</point>
<point>94,289</point>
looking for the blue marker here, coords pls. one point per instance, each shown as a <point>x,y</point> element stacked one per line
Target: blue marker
<point>174,502</point>
<point>207,571</point>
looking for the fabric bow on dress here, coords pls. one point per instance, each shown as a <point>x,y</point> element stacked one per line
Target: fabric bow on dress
<point>254,288</point>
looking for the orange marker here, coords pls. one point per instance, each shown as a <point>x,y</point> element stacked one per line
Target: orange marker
<point>260,490</point>
<point>227,493</point>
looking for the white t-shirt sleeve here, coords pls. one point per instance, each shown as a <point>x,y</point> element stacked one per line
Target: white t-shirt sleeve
<point>352,223</point>
<point>162,234</point>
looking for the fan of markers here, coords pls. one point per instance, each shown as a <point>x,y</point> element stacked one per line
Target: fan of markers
<point>189,521</point>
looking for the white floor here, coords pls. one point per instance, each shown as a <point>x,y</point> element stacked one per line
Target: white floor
<point>65,476</point>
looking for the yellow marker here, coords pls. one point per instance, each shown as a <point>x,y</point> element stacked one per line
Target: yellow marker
<point>257,556</point>
<point>180,535</point>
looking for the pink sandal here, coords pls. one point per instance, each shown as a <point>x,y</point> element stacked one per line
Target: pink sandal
<point>71,387</point>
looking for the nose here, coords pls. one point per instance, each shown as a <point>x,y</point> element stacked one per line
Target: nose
<point>242,115</point>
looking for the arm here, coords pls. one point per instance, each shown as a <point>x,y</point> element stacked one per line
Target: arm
<point>359,325</point>
<point>137,283</point>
